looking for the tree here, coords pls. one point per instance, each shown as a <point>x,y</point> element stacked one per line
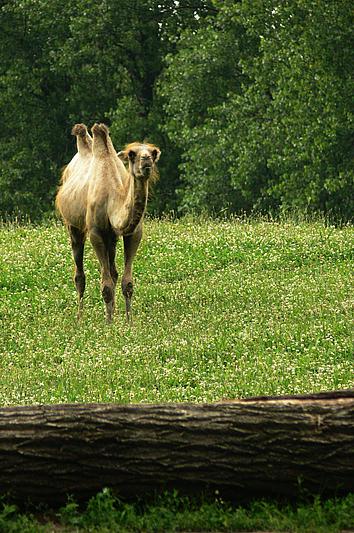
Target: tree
<point>256,447</point>
<point>82,61</point>
<point>198,79</point>
<point>301,87</point>
<point>249,101</point>
<point>30,137</point>
<point>259,102</point>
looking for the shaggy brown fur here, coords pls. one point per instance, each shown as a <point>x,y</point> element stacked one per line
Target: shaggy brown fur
<point>101,197</point>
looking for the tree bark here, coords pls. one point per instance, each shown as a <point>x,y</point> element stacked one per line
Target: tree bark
<point>241,449</point>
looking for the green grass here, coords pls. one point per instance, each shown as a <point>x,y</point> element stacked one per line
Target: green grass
<point>221,310</point>
<point>170,512</point>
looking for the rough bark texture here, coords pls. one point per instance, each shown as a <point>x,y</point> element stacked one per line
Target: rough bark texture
<point>242,448</point>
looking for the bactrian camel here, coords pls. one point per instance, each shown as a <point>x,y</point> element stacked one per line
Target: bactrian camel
<point>103,198</point>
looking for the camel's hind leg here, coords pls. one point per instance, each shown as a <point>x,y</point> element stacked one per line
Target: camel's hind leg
<point>99,241</point>
<point>131,244</point>
<point>77,244</point>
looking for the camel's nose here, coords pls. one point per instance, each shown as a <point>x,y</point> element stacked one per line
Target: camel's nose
<point>146,163</point>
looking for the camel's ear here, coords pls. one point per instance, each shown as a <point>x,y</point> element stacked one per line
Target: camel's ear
<point>156,154</point>
<point>124,155</point>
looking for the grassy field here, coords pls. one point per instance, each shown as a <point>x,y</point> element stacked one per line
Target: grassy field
<point>221,310</point>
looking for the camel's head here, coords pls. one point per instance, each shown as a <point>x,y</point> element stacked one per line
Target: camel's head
<point>142,159</point>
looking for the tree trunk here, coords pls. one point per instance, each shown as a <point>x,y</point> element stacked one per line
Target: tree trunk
<point>242,448</point>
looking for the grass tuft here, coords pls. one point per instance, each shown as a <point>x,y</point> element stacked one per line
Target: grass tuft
<point>170,512</point>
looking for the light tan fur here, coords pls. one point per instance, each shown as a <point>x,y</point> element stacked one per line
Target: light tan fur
<point>72,194</point>
<point>104,198</point>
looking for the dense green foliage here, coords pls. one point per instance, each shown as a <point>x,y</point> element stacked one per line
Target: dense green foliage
<point>259,102</point>
<point>251,308</point>
<point>249,100</point>
<point>104,513</point>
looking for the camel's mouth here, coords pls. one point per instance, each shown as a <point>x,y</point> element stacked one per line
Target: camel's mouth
<point>146,170</point>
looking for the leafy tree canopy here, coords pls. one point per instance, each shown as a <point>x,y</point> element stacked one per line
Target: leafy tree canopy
<point>249,100</point>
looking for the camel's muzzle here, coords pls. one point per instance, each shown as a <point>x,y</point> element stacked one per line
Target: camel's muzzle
<point>146,170</point>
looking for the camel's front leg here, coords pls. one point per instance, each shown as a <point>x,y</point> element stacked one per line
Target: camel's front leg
<point>111,243</point>
<point>131,244</point>
<point>99,242</point>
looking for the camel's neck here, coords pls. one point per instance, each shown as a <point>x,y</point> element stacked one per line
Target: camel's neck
<point>141,190</point>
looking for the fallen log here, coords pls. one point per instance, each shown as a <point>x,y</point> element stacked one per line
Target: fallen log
<point>240,449</point>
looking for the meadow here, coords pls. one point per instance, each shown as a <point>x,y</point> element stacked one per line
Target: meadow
<point>222,309</point>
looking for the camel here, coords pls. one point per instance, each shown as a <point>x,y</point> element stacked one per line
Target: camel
<point>103,195</point>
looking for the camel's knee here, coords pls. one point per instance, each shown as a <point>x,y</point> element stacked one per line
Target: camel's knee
<point>107,293</point>
<point>80,283</point>
<point>127,288</point>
